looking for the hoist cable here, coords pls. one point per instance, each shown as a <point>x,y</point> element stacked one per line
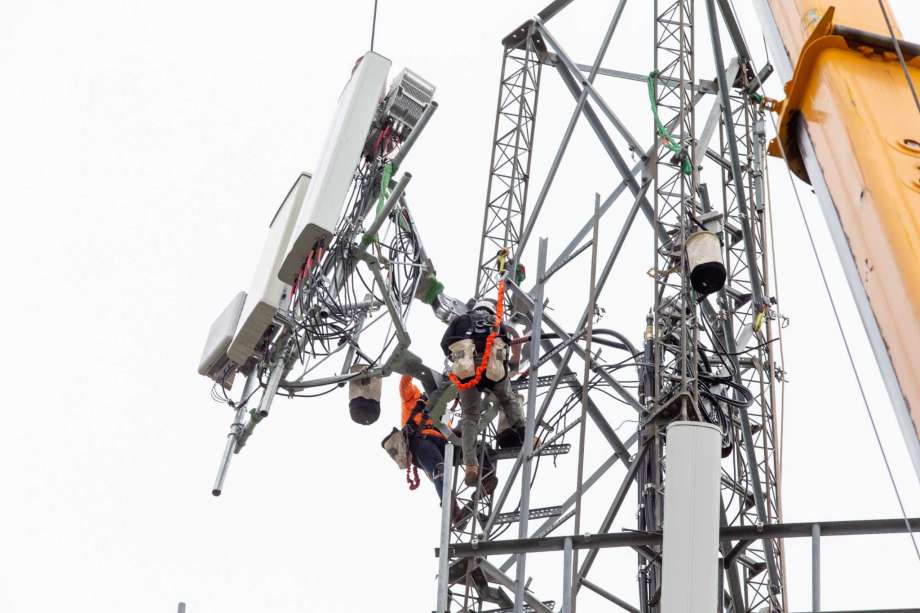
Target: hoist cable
<point>897,48</point>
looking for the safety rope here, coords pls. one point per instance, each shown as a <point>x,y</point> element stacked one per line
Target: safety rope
<point>487,351</point>
<point>412,477</point>
<point>668,139</point>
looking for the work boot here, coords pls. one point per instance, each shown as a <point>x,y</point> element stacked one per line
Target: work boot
<point>471,477</point>
<point>511,438</point>
<point>459,517</point>
<point>489,483</point>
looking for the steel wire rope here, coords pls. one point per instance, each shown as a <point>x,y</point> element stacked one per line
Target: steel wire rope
<point>897,48</point>
<point>779,330</point>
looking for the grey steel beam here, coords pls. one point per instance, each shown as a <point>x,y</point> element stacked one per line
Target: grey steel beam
<point>526,452</point>
<point>712,120</point>
<point>551,524</point>
<point>446,522</point>
<point>731,565</point>
<point>567,136</point>
<point>617,192</point>
<point>413,136</point>
<point>729,120</point>
<point>611,597</point>
<point>750,453</point>
<point>618,161</point>
<point>567,576</point>
<point>816,567</point>
<point>593,411</point>
<point>734,31</point>
<point>587,86</point>
<point>858,527</point>
<point>635,76</point>
<point>501,578</point>
<point>612,513</point>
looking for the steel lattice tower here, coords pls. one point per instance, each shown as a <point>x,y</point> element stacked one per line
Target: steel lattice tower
<point>678,184</point>
<point>509,167</point>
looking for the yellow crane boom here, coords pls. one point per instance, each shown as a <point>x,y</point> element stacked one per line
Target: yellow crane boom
<point>850,126</point>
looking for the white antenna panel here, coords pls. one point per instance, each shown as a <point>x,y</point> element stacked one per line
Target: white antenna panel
<point>340,157</point>
<point>268,292</point>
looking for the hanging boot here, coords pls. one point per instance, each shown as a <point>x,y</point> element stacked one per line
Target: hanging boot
<point>471,475</point>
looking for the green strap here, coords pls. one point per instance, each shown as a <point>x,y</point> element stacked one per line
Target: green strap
<point>385,179</point>
<point>670,141</point>
<point>384,186</point>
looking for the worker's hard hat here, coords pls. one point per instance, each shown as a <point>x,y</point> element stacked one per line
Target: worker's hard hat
<point>485,304</point>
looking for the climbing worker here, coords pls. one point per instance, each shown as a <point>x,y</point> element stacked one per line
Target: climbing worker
<point>426,446</point>
<point>425,442</point>
<point>465,343</point>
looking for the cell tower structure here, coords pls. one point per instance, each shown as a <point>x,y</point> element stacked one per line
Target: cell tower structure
<point>708,348</point>
<point>696,475</point>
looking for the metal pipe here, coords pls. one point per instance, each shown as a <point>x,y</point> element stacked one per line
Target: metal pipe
<point>402,336</point>
<point>527,450</point>
<point>750,454</point>
<point>554,522</point>
<point>587,86</point>
<point>446,522</point>
<point>567,567</point>
<point>816,567</point>
<point>567,136</point>
<point>859,527</point>
<point>612,598</point>
<point>740,194</point>
<point>235,428</point>
<point>413,136</point>
<point>861,37</point>
<point>274,380</point>
<point>618,500</point>
<point>586,385</point>
<point>371,233</point>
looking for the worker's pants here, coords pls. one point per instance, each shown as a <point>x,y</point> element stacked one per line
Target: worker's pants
<point>428,452</point>
<point>471,405</point>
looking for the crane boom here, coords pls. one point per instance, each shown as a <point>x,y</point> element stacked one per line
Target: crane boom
<point>850,126</point>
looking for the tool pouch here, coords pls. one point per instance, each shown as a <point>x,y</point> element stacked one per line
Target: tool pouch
<point>495,371</point>
<point>397,447</point>
<point>463,355</point>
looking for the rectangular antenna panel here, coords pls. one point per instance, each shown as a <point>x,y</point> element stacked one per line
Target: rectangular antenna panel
<point>268,292</point>
<point>340,157</point>
<point>214,357</point>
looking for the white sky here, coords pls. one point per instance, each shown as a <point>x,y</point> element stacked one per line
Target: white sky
<point>145,147</point>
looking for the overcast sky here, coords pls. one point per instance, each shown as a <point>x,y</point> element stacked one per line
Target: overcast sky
<point>145,147</point>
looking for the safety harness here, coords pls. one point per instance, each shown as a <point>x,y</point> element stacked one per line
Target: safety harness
<point>487,351</point>
<point>413,429</point>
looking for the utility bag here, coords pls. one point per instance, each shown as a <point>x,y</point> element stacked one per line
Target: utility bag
<point>463,355</point>
<point>495,370</point>
<point>397,446</point>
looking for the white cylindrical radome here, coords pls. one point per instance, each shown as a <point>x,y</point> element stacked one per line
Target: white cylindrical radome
<point>364,396</point>
<point>690,552</point>
<point>704,259</point>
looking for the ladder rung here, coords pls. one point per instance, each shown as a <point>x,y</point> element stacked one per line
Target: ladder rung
<point>512,452</point>
<point>549,604</point>
<point>570,379</point>
<point>513,516</point>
